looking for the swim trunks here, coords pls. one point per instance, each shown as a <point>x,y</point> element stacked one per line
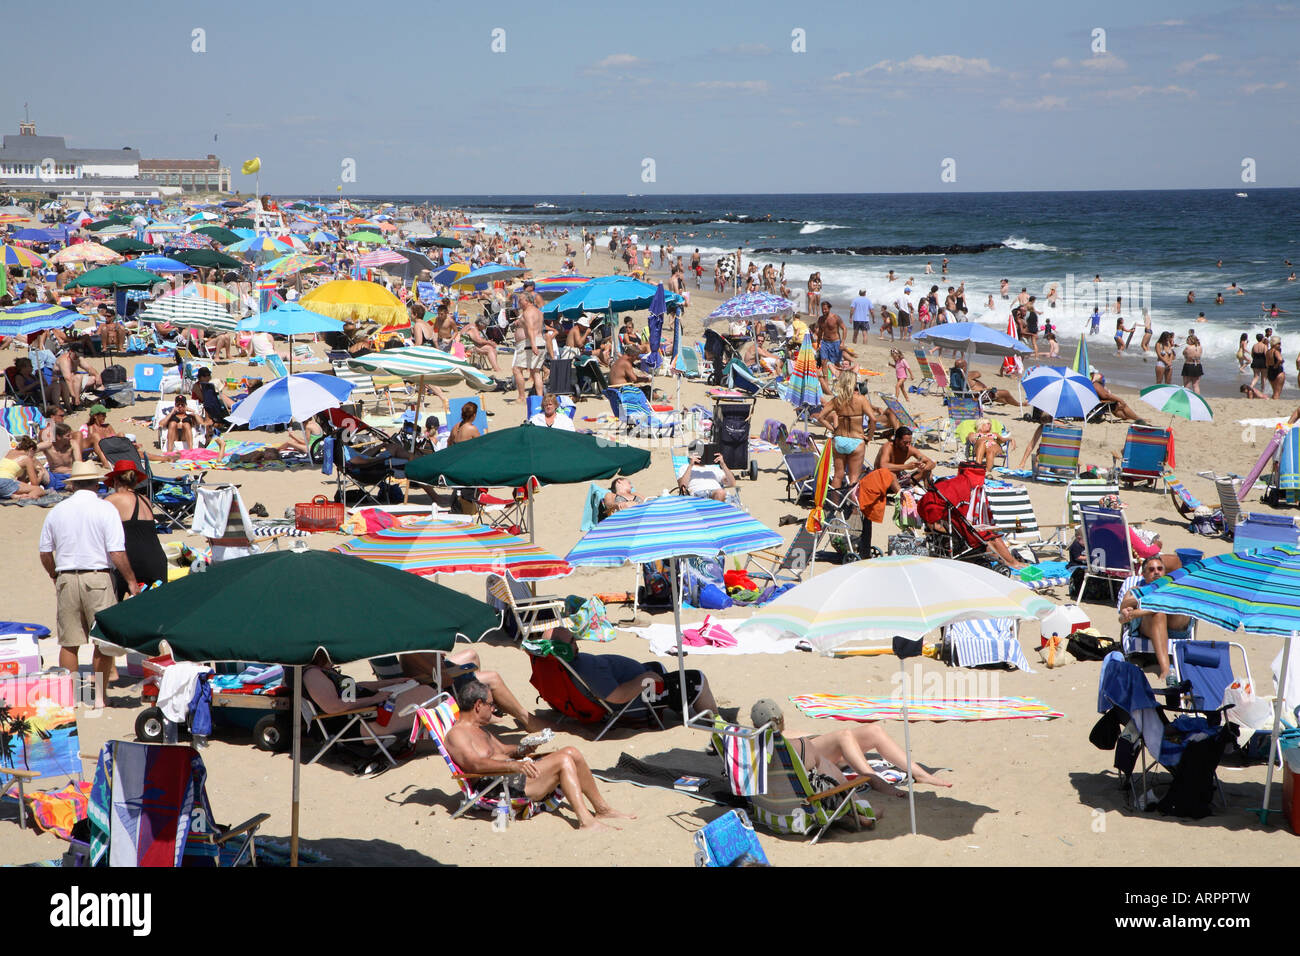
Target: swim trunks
<point>829,351</point>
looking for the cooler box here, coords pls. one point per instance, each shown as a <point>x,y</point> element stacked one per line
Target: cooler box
<point>1064,621</point>
<point>1291,781</point>
<point>19,655</point>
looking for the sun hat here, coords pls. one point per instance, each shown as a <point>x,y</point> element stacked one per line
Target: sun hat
<point>124,467</point>
<point>764,711</point>
<point>83,471</point>
<point>97,409</point>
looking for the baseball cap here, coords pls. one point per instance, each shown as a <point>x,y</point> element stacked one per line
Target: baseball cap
<point>764,712</point>
<point>98,409</point>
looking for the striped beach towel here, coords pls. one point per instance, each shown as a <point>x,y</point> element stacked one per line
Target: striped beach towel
<point>746,756</point>
<point>891,708</point>
<point>990,641</point>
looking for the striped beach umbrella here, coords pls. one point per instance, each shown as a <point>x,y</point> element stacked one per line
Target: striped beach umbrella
<point>34,317</point>
<point>322,235</point>
<point>23,258</point>
<point>188,241</point>
<point>1176,400</point>
<point>294,398</point>
<point>297,243</point>
<point>260,248</point>
<point>87,252</point>
<point>190,311</point>
<point>291,264</point>
<point>380,257</point>
<point>803,389</point>
<point>452,273</point>
<point>1059,391</point>
<point>486,274</point>
<point>753,307</point>
<point>666,529</point>
<point>452,547</point>
<point>1255,591</point>
<point>205,290</point>
<point>551,286</point>
<point>417,362</point>
<point>159,264</point>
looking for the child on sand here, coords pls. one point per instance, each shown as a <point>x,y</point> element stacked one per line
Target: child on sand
<point>902,372</point>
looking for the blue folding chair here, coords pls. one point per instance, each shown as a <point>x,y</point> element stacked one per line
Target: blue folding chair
<point>148,378</point>
<point>633,410</point>
<point>729,840</point>
<point>454,407</point>
<point>1207,666</point>
<point>1146,452</point>
<point>535,406</point>
<point>1258,532</point>
<point>1106,544</point>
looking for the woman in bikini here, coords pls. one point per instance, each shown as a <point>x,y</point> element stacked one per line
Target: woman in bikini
<point>621,495</point>
<point>1192,369</point>
<point>987,445</point>
<point>843,414</point>
<point>1165,358</point>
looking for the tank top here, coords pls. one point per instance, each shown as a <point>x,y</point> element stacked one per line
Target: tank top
<point>144,552</point>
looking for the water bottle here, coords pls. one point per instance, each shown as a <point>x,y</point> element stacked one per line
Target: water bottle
<point>501,818</point>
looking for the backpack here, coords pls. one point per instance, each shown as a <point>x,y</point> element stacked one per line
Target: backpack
<point>113,375</point>
<point>118,396</point>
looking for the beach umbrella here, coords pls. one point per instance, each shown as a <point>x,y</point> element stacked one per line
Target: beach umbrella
<point>89,252</point>
<point>291,264</point>
<point>115,277</point>
<point>411,264</point>
<point>321,235</point>
<point>899,599</point>
<point>305,601</point>
<point>219,234</point>
<point>39,235</point>
<point>488,273</point>
<point>294,398</point>
<point>203,217</point>
<point>242,222</point>
<point>1179,401</point>
<point>206,290</point>
<point>1254,591</point>
<point>208,258</point>
<point>752,307</point>
<point>669,528</point>
<point>126,244</point>
<point>290,319</point>
<point>552,286</point>
<point>972,337</point>
<point>442,242</point>
<point>1060,392</point>
<point>99,225</point>
<point>803,389</point>
<point>260,248</point>
<point>364,236</point>
<point>1080,363</point>
<point>517,457</point>
<point>187,241</point>
<point>439,546</point>
<point>423,362</point>
<point>158,264</point>
<point>32,317</point>
<point>297,243</point>
<point>354,299</point>
<point>607,294</point>
<point>380,257</point>
<point>452,273</point>
<point>23,258</point>
<point>189,311</point>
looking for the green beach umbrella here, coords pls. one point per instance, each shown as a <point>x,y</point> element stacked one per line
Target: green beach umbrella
<point>280,607</point>
<point>115,277</point>
<point>127,244</point>
<point>220,233</point>
<point>366,236</point>
<point>99,224</point>
<point>208,258</point>
<point>1176,400</point>
<point>243,222</point>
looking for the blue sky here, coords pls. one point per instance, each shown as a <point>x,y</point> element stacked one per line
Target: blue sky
<point>1015,93</point>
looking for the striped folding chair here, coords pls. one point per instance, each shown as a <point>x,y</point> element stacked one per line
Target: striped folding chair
<point>985,643</point>
<point>928,380</point>
<point>1229,489</point>
<point>1012,513</point>
<point>1146,452</point>
<point>1106,547</point>
<point>1185,503</point>
<point>1086,492</point>
<point>922,431</point>
<point>961,408</point>
<point>1057,458</point>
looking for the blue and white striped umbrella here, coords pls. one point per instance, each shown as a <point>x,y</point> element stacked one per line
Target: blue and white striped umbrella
<point>1060,391</point>
<point>34,317</point>
<point>667,528</point>
<point>294,398</point>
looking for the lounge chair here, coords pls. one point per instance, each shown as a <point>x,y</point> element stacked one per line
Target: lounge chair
<point>928,381</point>
<point>149,807</point>
<point>524,614</point>
<point>341,722</point>
<point>781,793</point>
<point>148,377</point>
<point>921,431</point>
<point>632,409</point>
<point>563,688</point>
<point>688,363</point>
<point>1229,489</point>
<point>1185,503</point>
<point>1057,457</point>
<point>591,378</point>
<point>1085,492</point>
<point>984,643</point>
<point>1260,531</point>
<point>1206,667</point>
<point>789,567</point>
<point>961,408</point>
<point>1012,513</point>
<point>1106,547</point>
<point>1146,452</point>
<point>478,791</point>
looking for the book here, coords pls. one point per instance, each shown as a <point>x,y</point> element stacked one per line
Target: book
<point>691,784</point>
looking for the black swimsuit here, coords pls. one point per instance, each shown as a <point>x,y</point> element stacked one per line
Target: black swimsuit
<point>1258,360</point>
<point>144,552</point>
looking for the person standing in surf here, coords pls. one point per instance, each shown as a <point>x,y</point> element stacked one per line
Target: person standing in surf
<point>1146,333</point>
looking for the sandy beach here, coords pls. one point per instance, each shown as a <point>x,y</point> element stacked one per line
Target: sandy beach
<point>1025,792</point>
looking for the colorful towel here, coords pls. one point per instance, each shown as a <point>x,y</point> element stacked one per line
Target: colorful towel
<point>59,811</point>
<point>891,708</point>
<point>746,756</point>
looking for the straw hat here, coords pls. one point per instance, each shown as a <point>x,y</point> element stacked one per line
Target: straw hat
<point>83,472</point>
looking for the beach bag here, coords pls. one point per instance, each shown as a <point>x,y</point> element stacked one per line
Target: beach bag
<point>1089,647</point>
<point>319,514</point>
<point>113,375</point>
<point>118,396</point>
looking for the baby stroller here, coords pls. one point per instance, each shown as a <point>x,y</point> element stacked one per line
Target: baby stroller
<point>958,503</point>
<point>731,420</point>
<point>720,353</point>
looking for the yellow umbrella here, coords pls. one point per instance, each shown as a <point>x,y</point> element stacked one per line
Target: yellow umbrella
<point>86,252</point>
<point>353,299</point>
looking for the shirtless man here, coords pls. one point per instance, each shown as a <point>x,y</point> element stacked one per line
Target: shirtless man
<point>476,750</point>
<point>900,457</point>
<point>1155,626</point>
<point>624,371</point>
<point>830,337</point>
<point>480,344</point>
<point>530,345</point>
<point>576,339</point>
<point>1121,408</point>
<point>61,450</point>
<point>986,393</point>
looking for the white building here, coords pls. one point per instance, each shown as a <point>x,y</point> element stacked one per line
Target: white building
<point>47,164</point>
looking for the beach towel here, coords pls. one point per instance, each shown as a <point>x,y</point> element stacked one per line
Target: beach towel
<point>219,514</point>
<point>663,641</point>
<point>746,757</point>
<point>708,634</point>
<point>927,709</point>
<point>660,771</point>
<point>60,810</point>
<point>142,804</point>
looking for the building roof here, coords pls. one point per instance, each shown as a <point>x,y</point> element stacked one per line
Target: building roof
<point>212,164</point>
<point>35,149</point>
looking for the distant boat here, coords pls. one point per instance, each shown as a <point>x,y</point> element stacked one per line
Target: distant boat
<point>1241,195</point>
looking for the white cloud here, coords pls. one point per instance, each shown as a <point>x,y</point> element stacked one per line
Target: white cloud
<point>1062,63</point>
<point>1134,92</point>
<point>1104,63</point>
<point>616,60</point>
<point>1251,88</point>
<point>1172,23</point>
<point>944,63</point>
<point>1188,65</point>
<point>744,86</point>
<point>847,121</point>
<point>1034,106</point>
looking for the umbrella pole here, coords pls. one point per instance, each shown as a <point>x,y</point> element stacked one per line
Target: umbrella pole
<point>415,425</point>
<point>297,762</point>
<point>677,623</point>
<point>1277,726</point>
<point>907,745</point>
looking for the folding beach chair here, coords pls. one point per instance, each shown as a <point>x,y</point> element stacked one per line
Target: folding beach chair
<point>939,375</point>
<point>1146,452</point>
<point>989,642</point>
<point>1057,458</point>
<point>455,405</point>
<point>148,377</point>
<point>149,807</point>
<point>563,688</point>
<point>1185,503</point>
<point>800,469</point>
<point>563,380</point>
<point>1206,667</point>
<point>688,363</point>
<point>768,564</point>
<point>1125,698</point>
<point>1106,547</point>
<point>632,409</point>
<point>766,767</point>
<point>337,722</point>
<point>961,408</point>
<point>1229,489</point>
<point>1259,532</point>
<point>928,381</point>
<point>478,791</point>
<point>591,378</point>
<point>524,614</point>
<point>1012,513</point>
<point>921,431</point>
<point>729,840</point>
<point>1085,492</point>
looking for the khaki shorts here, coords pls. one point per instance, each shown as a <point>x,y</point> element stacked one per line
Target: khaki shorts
<point>527,358</point>
<point>78,597</point>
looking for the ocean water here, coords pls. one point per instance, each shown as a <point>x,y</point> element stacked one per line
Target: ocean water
<point>1151,247</point>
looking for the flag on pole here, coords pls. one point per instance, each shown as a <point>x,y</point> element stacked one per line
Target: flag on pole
<point>252,165</point>
<point>821,484</point>
<point>1081,358</point>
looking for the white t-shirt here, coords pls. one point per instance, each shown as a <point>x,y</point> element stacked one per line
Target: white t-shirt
<point>562,421</point>
<point>81,533</point>
<point>704,479</point>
